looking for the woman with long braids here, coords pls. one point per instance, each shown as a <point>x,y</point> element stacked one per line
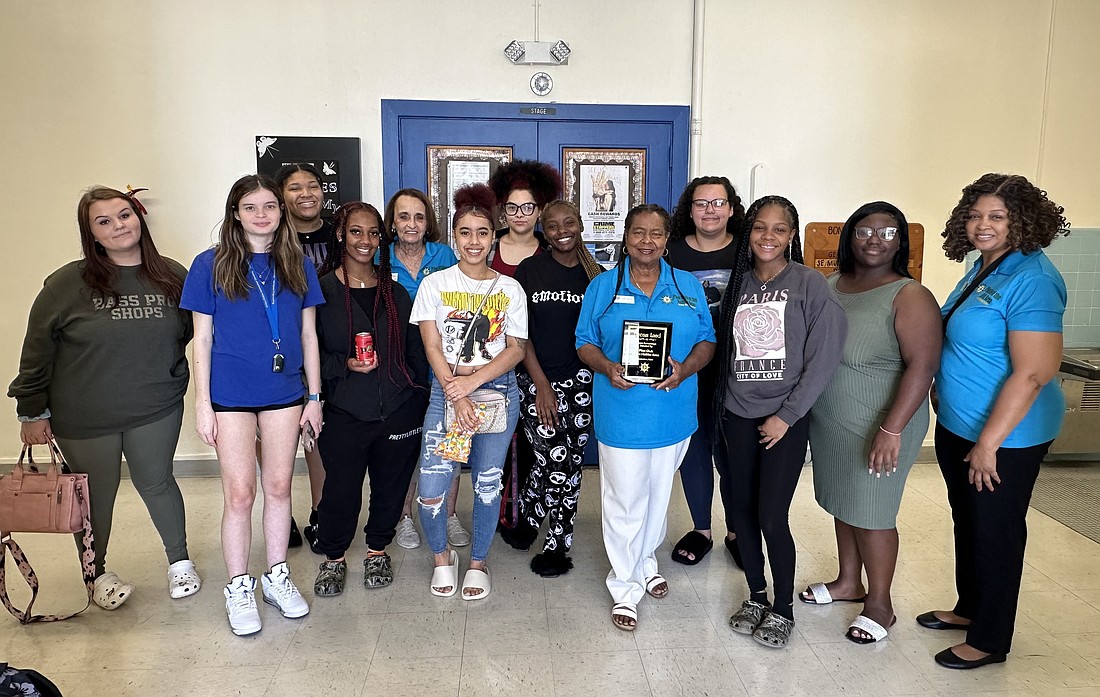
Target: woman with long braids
<point>705,225</point>
<point>252,298</point>
<point>555,388</point>
<point>374,403</point>
<point>780,337</point>
<point>642,429</point>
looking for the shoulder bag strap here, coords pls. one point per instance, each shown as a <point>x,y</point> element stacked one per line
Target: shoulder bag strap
<point>466,334</point>
<point>972,286</point>
<point>87,560</point>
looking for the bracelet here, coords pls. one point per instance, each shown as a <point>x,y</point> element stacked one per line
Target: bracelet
<point>889,433</point>
<point>314,397</point>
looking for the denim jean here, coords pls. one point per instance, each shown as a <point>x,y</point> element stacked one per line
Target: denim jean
<point>486,471</point>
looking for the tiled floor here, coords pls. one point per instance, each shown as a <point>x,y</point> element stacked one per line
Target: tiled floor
<point>554,636</point>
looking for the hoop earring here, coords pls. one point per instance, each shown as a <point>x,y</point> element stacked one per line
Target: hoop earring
<point>664,254</point>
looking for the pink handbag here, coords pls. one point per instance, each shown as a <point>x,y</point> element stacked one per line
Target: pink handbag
<point>52,501</point>
<point>41,502</point>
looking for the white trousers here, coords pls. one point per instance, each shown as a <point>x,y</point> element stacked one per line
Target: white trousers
<point>635,487</point>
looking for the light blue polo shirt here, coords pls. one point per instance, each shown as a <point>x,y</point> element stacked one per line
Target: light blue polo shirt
<point>642,417</point>
<point>1025,293</point>
<point>436,258</point>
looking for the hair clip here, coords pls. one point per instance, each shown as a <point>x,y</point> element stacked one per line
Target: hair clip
<point>131,193</point>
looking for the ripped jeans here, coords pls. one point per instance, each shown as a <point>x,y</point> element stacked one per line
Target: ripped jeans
<point>486,472</point>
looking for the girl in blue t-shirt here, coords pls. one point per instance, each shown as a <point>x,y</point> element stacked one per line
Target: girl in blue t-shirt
<point>253,297</point>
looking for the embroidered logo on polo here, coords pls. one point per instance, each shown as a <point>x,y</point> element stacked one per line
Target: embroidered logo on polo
<point>986,294</point>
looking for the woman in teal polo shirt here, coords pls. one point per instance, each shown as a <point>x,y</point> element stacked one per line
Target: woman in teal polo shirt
<point>642,429</point>
<point>999,409</point>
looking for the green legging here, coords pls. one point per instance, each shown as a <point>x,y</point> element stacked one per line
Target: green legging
<point>149,450</point>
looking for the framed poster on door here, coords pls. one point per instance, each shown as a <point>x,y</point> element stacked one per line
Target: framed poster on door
<point>451,167</point>
<point>604,185</point>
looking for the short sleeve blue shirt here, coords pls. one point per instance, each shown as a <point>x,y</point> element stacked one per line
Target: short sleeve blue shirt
<point>242,353</point>
<point>436,258</point>
<point>642,417</point>
<point>1025,293</point>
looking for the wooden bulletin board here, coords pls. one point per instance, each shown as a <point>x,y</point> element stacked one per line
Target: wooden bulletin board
<point>822,240</point>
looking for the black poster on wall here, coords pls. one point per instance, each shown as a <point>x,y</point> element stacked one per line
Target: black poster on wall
<point>337,159</point>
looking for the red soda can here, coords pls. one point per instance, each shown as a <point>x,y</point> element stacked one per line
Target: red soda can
<point>364,347</point>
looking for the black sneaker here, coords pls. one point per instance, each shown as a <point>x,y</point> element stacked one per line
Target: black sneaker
<point>295,535</point>
<point>310,533</point>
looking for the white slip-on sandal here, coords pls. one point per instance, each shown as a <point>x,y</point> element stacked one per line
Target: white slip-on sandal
<point>868,626</point>
<point>476,579</point>
<point>110,592</point>
<point>651,584</point>
<point>628,611</point>
<point>446,575</point>
<point>183,579</point>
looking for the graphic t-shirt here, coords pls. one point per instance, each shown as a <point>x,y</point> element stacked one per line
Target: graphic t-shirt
<point>789,339</point>
<point>711,268</point>
<point>554,295</point>
<point>315,244</point>
<point>450,298</point>
<point>713,271</point>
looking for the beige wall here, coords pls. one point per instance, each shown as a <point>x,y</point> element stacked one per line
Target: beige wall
<point>843,101</point>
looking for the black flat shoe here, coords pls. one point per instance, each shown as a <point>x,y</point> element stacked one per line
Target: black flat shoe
<point>295,535</point>
<point>735,552</point>
<point>948,659</point>
<point>929,621</point>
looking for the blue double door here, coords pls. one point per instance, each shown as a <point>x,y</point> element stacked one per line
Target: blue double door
<point>539,132</point>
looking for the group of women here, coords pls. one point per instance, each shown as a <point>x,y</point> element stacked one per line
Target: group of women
<point>432,357</point>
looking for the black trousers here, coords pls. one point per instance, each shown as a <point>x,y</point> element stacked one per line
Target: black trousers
<point>761,487</point>
<point>990,535</point>
<point>350,449</point>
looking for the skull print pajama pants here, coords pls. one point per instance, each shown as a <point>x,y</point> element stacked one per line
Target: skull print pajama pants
<point>553,487</point>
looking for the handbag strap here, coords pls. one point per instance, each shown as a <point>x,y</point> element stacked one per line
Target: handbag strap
<point>973,285</point>
<point>466,334</point>
<point>87,563</point>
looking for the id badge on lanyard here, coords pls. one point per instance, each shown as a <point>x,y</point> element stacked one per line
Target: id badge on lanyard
<point>271,308</point>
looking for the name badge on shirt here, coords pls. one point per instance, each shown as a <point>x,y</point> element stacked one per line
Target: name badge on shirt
<point>624,299</point>
<point>393,275</point>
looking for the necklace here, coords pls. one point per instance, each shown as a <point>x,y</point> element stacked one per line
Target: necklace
<point>764,285</point>
<point>635,279</point>
<point>262,277</point>
<point>362,283</point>
<point>472,285</point>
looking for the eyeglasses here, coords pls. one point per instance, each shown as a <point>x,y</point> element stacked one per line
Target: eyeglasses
<point>884,233</point>
<point>701,204</point>
<point>513,208</point>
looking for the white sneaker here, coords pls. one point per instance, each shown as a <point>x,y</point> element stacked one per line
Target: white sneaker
<point>456,534</point>
<point>240,605</point>
<point>407,536</point>
<point>183,579</point>
<point>281,592</point>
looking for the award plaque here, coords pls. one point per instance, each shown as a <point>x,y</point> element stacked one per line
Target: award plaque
<point>646,347</point>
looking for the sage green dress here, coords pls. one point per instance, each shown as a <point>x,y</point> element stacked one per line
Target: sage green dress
<point>846,417</point>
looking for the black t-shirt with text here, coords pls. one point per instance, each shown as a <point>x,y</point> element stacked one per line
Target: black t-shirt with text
<point>554,295</point>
